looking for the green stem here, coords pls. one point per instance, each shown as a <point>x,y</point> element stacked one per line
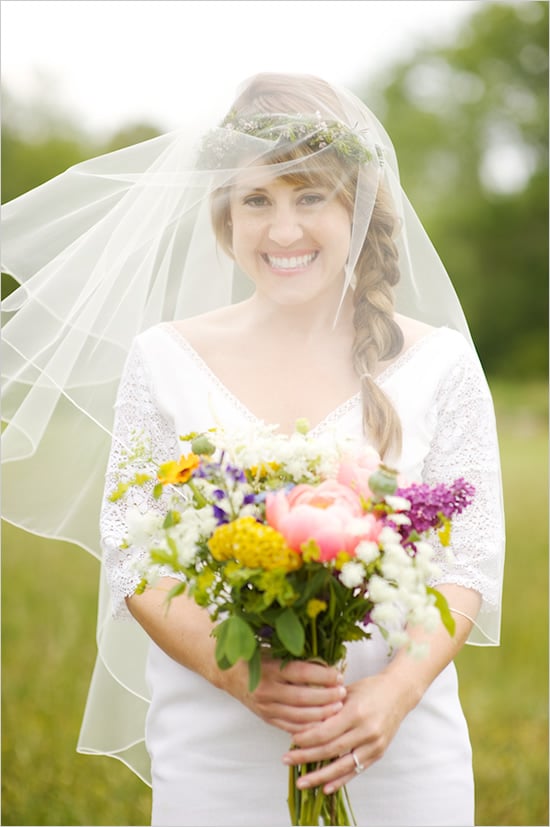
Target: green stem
<point>197,496</point>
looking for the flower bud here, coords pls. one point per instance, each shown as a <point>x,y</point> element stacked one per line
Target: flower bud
<point>383,481</point>
<point>201,445</point>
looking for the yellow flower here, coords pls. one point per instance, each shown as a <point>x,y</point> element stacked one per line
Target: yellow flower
<point>444,532</point>
<point>179,471</point>
<point>260,472</point>
<point>341,558</point>
<point>314,607</point>
<point>254,545</point>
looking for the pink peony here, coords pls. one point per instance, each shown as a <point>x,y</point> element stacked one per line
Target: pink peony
<point>355,471</point>
<point>330,514</point>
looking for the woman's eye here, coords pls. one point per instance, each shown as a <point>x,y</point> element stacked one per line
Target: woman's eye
<point>312,198</point>
<point>255,201</point>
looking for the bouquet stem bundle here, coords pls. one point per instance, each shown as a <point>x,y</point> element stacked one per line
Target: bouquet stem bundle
<point>295,546</point>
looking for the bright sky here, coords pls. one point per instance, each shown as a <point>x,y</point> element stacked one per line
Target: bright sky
<point>112,61</point>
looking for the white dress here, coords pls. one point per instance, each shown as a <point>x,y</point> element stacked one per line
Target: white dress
<point>213,761</point>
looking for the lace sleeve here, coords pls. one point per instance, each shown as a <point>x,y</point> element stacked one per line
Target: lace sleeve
<point>137,417</point>
<point>465,445</point>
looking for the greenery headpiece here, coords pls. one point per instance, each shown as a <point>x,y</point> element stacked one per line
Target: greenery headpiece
<point>220,146</point>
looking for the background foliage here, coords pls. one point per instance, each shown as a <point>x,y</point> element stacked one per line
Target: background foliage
<point>470,126</point>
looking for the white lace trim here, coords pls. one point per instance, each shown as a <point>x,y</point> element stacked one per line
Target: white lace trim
<point>331,418</point>
<point>136,416</point>
<point>465,445</point>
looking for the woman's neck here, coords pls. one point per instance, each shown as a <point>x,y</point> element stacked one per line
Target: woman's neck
<point>303,322</point>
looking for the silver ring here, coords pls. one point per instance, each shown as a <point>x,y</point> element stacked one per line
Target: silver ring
<point>358,767</point>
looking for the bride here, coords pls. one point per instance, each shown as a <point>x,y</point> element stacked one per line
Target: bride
<point>274,271</point>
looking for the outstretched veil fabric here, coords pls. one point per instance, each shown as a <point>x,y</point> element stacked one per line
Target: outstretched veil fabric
<point>110,248</point>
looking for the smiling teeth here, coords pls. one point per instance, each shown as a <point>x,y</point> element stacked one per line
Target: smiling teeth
<point>291,263</point>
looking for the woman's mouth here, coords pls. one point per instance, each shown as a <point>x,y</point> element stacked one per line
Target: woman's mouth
<point>290,263</point>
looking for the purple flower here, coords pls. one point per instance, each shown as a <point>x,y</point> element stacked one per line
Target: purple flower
<point>428,503</point>
<point>220,515</point>
<point>235,473</point>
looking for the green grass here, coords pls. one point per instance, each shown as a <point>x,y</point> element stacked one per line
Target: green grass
<point>49,605</point>
<point>505,690</point>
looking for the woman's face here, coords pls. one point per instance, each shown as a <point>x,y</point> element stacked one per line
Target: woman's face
<point>292,239</point>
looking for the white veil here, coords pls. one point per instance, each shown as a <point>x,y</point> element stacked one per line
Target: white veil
<point>117,244</point>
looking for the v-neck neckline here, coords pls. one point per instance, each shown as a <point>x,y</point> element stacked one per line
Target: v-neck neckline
<point>334,415</point>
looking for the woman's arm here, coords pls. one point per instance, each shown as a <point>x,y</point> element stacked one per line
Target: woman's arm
<point>375,706</point>
<point>464,444</point>
<point>290,698</point>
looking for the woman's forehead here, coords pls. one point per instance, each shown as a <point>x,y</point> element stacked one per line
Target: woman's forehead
<point>263,178</point>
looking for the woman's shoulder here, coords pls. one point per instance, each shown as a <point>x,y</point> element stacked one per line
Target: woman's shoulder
<point>416,332</point>
<point>204,330</point>
<point>196,330</point>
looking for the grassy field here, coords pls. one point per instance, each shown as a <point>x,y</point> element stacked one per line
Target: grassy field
<point>49,594</point>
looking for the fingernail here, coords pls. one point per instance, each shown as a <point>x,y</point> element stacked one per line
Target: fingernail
<point>329,789</point>
<point>286,759</point>
<point>342,691</point>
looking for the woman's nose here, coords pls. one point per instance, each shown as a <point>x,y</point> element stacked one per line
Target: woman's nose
<point>285,228</point>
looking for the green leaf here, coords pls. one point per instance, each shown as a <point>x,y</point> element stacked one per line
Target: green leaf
<point>157,490</point>
<point>172,518</point>
<point>235,640</point>
<point>441,604</point>
<point>291,632</point>
<point>176,590</point>
<point>119,491</point>
<point>254,669</point>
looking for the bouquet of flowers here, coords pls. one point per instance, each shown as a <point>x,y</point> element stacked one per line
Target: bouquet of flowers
<point>295,546</point>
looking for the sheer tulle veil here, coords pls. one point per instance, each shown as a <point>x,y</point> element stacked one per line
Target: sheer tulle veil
<point>122,242</point>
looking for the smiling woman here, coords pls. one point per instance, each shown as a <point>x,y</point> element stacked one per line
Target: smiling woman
<point>266,272</point>
<point>283,229</point>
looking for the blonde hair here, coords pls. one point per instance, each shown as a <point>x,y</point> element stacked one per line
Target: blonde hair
<point>378,337</point>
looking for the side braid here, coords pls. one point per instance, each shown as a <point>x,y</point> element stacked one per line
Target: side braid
<point>377,335</point>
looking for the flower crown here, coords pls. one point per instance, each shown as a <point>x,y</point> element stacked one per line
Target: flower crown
<point>314,132</point>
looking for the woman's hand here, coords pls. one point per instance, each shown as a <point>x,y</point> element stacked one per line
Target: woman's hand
<point>291,698</point>
<point>372,712</point>
<point>375,706</point>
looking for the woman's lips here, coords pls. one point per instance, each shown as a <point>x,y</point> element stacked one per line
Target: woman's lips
<point>289,263</point>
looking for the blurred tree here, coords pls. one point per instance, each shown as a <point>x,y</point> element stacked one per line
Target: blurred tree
<point>40,140</point>
<point>469,122</point>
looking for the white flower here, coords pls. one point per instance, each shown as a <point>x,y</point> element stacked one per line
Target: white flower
<point>352,574</point>
<point>397,639</point>
<point>424,562</point>
<point>380,591</point>
<point>389,537</point>
<point>424,550</point>
<point>397,554</point>
<point>386,614</point>
<point>142,527</point>
<point>404,577</point>
<point>399,519</point>
<point>397,503</point>
<point>426,616</point>
<point>367,551</point>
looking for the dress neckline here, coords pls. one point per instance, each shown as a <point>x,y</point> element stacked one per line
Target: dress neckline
<point>334,415</point>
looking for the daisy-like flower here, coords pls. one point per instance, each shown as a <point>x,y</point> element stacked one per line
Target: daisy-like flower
<point>179,471</point>
<point>352,574</point>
